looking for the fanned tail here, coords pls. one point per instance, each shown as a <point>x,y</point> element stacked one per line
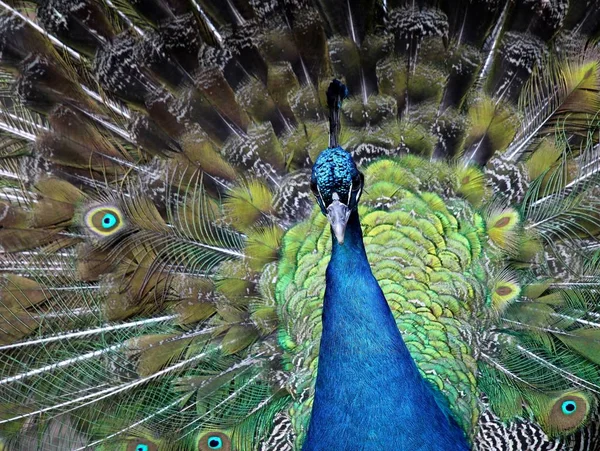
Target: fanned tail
<point>154,153</point>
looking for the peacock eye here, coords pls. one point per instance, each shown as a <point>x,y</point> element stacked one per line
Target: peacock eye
<point>215,442</point>
<point>108,220</point>
<point>104,221</point>
<point>140,444</point>
<point>569,407</point>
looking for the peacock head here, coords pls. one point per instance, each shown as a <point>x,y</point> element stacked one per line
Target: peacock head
<point>337,184</point>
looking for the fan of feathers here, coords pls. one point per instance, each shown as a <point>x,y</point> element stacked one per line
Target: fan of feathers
<point>162,257</point>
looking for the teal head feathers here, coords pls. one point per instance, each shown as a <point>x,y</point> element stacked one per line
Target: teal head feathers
<point>337,185</point>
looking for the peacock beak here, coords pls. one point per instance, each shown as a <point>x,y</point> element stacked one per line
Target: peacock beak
<point>338,214</point>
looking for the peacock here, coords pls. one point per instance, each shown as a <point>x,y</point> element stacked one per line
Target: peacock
<point>278,225</point>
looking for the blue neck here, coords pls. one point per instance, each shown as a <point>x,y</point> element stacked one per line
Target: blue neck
<point>369,394</point>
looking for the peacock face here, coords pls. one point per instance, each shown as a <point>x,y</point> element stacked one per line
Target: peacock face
<point>337,185</point>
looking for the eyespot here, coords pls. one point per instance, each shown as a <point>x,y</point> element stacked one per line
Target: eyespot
<point>104,221</point>
<point>214,441</point>
<point>109,220</point>
<point>141,444</point>
<point>568,412</point>
<point>569,407</point>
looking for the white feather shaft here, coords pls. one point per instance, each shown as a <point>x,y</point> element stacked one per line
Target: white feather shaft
<point>103,394</point>
<point>30,22</point>
<point>88,332</point>
<point>567,375</point>
<point>61,364</point>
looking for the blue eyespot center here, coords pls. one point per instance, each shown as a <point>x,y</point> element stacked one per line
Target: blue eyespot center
<point>108,220</point>
<point>215,442</point>
<point>569,407</point>
<point>141,446</point>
